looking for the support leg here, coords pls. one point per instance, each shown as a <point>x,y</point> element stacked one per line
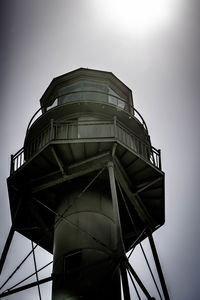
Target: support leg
<point>10,237</point>
<point>125,281</point>
<point>115,202</point>
<point>139,282</point>
<point>36,272</point>
<point>158,266</point>
<point>6,247</point>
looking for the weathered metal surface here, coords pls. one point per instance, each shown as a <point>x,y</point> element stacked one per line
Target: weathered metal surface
<point>158,266</point>
<point>73,132</point>
<point>86,243</point>
<point>88,122</point>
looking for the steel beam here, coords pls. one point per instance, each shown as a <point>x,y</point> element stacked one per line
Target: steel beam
<point>40,219</point>
<point>36,272</point>
<point>125,285</point>
<point>88,160</point>
<point>134,285</point>
<point>135,199</point>
<point>139,281</point>
<point>64,178</point>
<point>158,266</point>
<point>76,170</point>
<point>81,164</point>
<point>110,166</point>
<point>9,238</point>
<point>149,185</point>
<point>58,160</point>
<point>6,247</point>
<point>122,170</point>
<point>25,287</point>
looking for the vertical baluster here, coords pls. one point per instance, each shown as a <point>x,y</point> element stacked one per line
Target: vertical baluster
<point>144,150</point>
<point>62,132</point>
<point>42,139</point>
<point>125,138</point>
<point>159,157</point>
<point>119,133</point>
<point>157,160</point>
<point>20,159</point>
<point>115,126</point>
<point>154,157</point>
<point>36,144</point>
<point>45,137</point>
<point>147,152</point>
<point>15,163</point>
<point>140,147</point>
<point>133,142</point>
<point>33,148</point>
<point>67,131</point>
<point>123,135</point>
<point>143,146</point>
<point>52,130</point>
<point>12,168</point>
<point>136,144</point>
<point>40,142</point>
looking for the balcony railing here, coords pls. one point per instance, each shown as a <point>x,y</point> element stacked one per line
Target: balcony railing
<point>84,131</point>
<point>109,99</point>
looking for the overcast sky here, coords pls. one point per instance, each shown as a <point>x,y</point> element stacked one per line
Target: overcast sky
<point>154,50</point>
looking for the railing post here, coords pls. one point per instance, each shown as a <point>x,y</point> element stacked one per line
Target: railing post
<point>12,167</point>
<point>152,153</point>
<point>115,126</point>
<point>51,130</point>
<point>159,159</point>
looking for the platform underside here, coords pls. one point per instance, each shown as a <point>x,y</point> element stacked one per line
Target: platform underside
<point>140,187</point>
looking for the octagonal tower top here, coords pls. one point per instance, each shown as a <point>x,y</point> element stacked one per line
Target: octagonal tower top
<point>82,84</point>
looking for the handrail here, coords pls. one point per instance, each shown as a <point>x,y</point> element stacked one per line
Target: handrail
<point>107,94</point>
<point>143,121</point>
<point>32,118</point>
<point>136,113</point>
<point>122,134</point>
<point>17,160</point>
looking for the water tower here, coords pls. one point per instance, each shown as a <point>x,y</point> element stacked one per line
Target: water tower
<point>87,186</point>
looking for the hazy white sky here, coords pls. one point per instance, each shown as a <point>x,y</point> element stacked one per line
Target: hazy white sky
<point>159,61</point>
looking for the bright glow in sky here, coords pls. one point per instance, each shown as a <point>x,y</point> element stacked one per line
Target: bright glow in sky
<point>139,17</point>
<point>41,40</point>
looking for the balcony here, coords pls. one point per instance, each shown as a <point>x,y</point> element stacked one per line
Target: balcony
<point>75,132</point>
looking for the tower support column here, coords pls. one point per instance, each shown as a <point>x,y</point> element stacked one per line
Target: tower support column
<point>110,166</point>
<point>125,285</point>
<point>158,266</point>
